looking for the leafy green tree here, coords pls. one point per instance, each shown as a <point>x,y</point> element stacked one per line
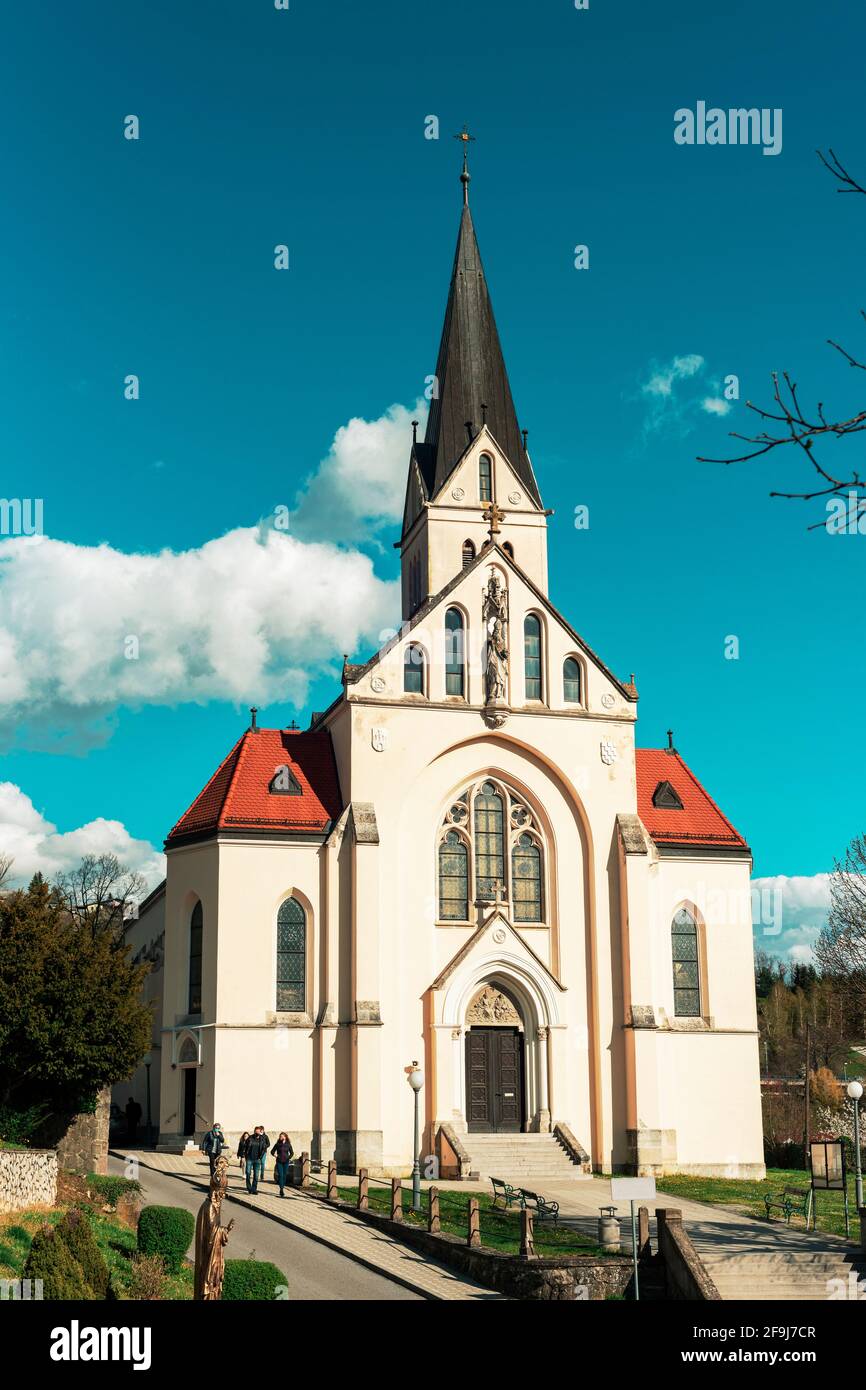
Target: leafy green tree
<point>71,1015</point>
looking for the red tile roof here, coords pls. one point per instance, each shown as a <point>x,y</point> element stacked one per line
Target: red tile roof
<point>700,822</point>
<point>237,797</point>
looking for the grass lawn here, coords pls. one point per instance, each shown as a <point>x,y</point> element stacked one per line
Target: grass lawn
<point>748,1196</point>
<point>499,1230</point>
<point>116,1241</point>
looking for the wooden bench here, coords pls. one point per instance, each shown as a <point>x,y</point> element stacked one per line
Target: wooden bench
<point>505,1194</point>
<point>789,1201</point>
<point>539,1206</point>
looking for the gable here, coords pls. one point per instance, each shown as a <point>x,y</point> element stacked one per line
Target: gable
<point>697,821</point>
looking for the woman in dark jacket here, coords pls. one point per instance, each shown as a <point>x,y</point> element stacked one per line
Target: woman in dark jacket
<point>242,1147</point>
<point>282,1152</point>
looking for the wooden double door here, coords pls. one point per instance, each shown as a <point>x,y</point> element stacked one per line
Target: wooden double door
<point>494,1080</point>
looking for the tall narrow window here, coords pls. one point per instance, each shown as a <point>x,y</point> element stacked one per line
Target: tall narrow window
<point>453,878</point>
<point>526,879</point>
<point>571,681</point>
<point>684,951</point>
<point>196,930</point>
<point>455,668</point>
<point>532,656</point>
<point>413,671</point>
<point>489,842</point>
<point>485,478</point>
<point>291,957</point>
<point>508,548</point>
<point>468,554</point>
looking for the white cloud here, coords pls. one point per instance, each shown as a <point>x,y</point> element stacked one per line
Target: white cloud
<point>663,379</point>
<point>676,392</point>
<point>246,618</point>
<point>798,905</point>
<point>715,405</point>
<point>359,486</point>
<point>36,844</point>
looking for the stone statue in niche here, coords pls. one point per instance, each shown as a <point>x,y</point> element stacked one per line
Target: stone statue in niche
<point>495,615</point>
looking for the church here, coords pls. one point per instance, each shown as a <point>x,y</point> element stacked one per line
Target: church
<point>466,864</point>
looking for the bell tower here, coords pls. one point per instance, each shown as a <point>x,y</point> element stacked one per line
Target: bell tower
<point>473,456</point>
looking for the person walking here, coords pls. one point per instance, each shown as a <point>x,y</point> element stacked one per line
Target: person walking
<point>242,1148</point>
<point>257,1147</point>
<point>283,1153</point>
<point>213,1144</point>
<point>133,1115</point>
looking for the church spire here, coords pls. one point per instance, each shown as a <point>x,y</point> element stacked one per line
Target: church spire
<point>472,383</point>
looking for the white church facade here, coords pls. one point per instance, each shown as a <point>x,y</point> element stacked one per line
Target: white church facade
<point>464,862</point>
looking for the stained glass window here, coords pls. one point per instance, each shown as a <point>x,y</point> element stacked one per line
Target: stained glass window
<point>526,879</point>
<point>291,957</point>
<point>196,930</point>
<point>532,656</point>
<point>454,665</point>
<point>489,841</point>
<point>453,878</point>
<point>571,681</point>
<point>684,950</point>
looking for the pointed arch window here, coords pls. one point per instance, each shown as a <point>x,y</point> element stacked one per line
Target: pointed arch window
<point>490,838</point>
<point>291,957</point>
<point>485,478</point>
<point>455,665</point>
<point>413,670</point>
<point>686,968</point>
<point>453,877</point>
<point>532,655</point>
<point>508,548</point>
<point>571,680</point>
<point>468,554</point>
<point>196,936</point>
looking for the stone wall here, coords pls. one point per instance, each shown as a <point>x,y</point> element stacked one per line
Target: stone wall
<point>84,1146</point>
<point>685,1276</point>
<point>28,1178</point>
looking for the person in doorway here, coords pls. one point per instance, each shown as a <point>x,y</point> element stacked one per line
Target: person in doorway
<point>257,1147</point>
<point>242,1148</point>
<point>213,1144</point>
<point>283,1153</point>
<point>133,1116</point>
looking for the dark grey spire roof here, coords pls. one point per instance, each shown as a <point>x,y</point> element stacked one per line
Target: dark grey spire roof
<point>470,371</point>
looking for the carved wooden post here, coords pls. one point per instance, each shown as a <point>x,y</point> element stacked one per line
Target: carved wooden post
<point>332,1180</point>
<point>363,1201</point>
<point>396,1199</point>
<point>474,1234</point>
<point>433,1211</point>
<point>527,1238</point>
<point>305,1170</point>
<point>643,1235</point>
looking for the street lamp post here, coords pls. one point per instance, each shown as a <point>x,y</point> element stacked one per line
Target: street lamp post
<point>855,1091</point>
<point>415,1078</point>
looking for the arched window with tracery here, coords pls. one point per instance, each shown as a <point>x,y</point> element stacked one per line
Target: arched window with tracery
<point>491,840</point>
<point>686,965</point>
<point>291,957</point>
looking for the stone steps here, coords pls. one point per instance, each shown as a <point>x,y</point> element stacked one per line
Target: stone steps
<point>521,1159</point>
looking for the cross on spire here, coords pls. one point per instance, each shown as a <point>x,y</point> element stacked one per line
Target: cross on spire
<point>465,176</point>
<point>493,515</point>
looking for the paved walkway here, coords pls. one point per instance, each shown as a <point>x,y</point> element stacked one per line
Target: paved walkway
<point>746,1258</point>
<point>368,1246</point>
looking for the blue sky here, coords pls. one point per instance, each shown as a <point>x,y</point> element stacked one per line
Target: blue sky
<point>306,127</point>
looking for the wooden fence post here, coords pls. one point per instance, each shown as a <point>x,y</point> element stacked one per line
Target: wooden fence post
<point>305,1170</point>
<point>527,1238</point>
<point>433,1211</point>
<point>396,1199</point>
<point>473,1236</point>
<point>332,1180</point>
<point>363,1200</point>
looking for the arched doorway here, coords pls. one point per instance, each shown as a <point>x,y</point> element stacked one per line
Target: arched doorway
<point>495,1063</point>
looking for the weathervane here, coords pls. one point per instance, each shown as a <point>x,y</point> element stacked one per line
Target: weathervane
<point>465,176</point>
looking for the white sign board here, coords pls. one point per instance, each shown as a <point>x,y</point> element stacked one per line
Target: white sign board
<point>632,1189</point>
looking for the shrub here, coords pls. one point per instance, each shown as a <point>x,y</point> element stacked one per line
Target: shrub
<point>253,1279</point>
<point>18,1127</point>
<point>166,1231</point>
<point>148,1278</point>
<point>51,1260</point>
<point>77,1235</point>
<point>110,1187</point>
